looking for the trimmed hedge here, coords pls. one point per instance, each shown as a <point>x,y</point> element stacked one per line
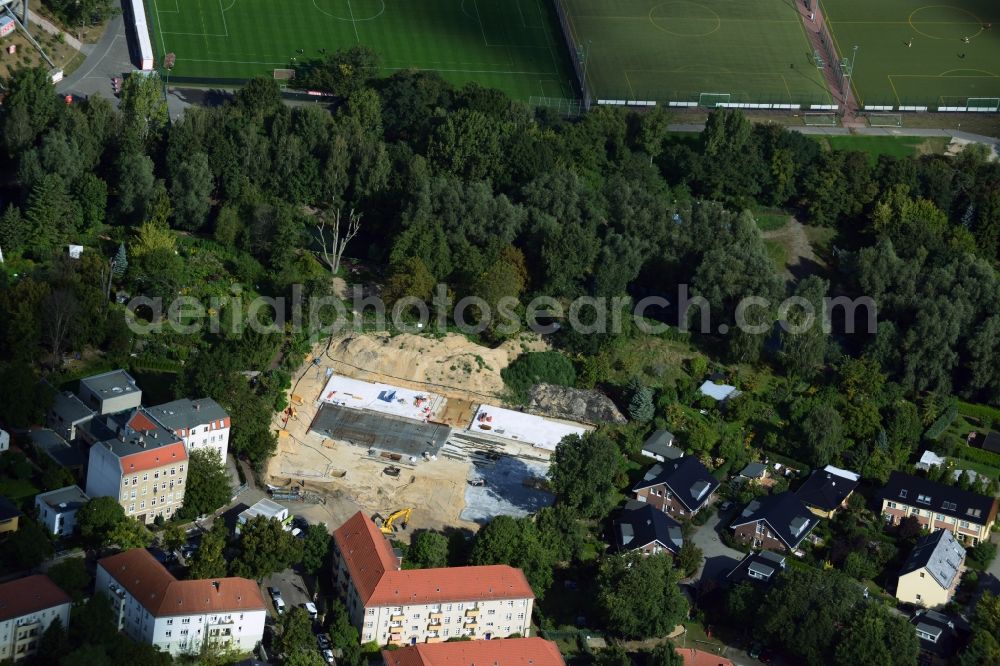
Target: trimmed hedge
<point>973,454</point>
<point>941,424</point>
<point>979,411</point>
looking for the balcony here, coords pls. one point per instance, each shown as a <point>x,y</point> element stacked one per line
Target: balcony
<point>471,624</point>
<point>434,626</point>
<point>397,618</point>
<point>435,639</point>
<point>472,612</point>
<point>436,616</point>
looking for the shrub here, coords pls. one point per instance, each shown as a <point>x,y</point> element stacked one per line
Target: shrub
<point>534,368</point>
<point>982,555</point>
<point>942,422</point>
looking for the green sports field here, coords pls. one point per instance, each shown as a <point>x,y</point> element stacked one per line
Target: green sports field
<point>756,51</point>
<point>939,68</point>
<point>513,45</point>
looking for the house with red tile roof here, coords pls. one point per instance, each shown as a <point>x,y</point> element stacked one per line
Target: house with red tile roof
<point>138,461</point>
<point>693,657</point>
<point>180,616</point>
<point>27,607</point>
<point>501,652</point>
<point>391,606</point>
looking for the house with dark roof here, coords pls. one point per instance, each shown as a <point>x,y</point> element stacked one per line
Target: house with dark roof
<point>755,471</point>
<point>505,652</point>
<point>640,526</point>
<point>67,415</point>
<point>760,568</point>
<point>180,616</point>
<point>991,442</point>
<point>777,522</point>
<point>392,606</point>
<point>660,447</point>
<point>27,607</point>
<point>680,487</point>
<point>827,490</point>
<point>9,515</point>
<point>941,637</point>
<point>201,424</point>
<point>139,462</point>
<point>932,572</point>
<point>936,506</point>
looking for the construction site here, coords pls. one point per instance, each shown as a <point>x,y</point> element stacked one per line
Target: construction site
<point>413,427</point>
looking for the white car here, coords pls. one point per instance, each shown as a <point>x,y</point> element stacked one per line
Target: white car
<point>311,609</point>
<point>328,657</point>
<point>279,605</point>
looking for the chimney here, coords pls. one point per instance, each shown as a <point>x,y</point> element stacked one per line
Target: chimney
<point>215,584</point>
<point>197,406</point>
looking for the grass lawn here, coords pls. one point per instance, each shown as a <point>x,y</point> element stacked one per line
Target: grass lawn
<point>777,253</point>
<point>513,45</point>
<point>771,221</point>
<point>937,68</point>
<point>978,468</point>
<point>17,490</point>
<point>674,51</point>
<point>897,146</point>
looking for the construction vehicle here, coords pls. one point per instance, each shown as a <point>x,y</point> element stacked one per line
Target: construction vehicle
<point>387,525</point>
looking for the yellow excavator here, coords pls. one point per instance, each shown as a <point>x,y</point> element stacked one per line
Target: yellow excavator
<point>387,525</point>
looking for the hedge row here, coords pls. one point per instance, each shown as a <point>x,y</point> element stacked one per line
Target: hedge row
<point>980,411</point>
<point>973,454</point>
<point>942,422</point>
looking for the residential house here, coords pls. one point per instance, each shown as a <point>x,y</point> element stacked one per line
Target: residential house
<point>4,441</point>
<point>694,657</point>
<point>201,424</point>
<point>931,573</point>
<point>969,516</point>
<point>70,456</point>
<point>991,442</point>
<point>67,415</point>
<point>643,527</point>
<point>180,616</point>
<point>759,568</point>
<point>110,392</point>
<point>754,471</point>
<point>27,607</point>
<point>138,461</point>
<point>505,652</point>
<point>391,606</point>
<point>9,515</point>
<point>57,509</point>
<point>660,447</point>
<point>265,508</point>
<point>680,487</point>
<point>827,490</point>
<point>940,636</point>
<point>776,522</point>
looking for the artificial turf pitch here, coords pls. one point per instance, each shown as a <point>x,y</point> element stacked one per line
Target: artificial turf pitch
<point>939,68</point>
<point>513,45</point>
<point>756,51</point>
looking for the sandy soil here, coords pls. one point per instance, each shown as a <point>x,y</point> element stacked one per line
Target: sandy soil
<point>796,243</point>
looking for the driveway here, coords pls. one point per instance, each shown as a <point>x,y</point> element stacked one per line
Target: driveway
<point>293,588</point>
<point>719,558</point>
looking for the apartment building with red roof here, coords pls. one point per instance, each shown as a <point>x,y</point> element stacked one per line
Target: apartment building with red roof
<point>27,607</point>
<point>138,461</point>
<point>502,652</point>
<point>391,606</point>
<point>180,616</point>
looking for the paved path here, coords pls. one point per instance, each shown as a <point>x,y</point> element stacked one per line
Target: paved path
<point>108,58</point>
<point>52,29</point>
<point>865,131</point>
<point>719,558</point>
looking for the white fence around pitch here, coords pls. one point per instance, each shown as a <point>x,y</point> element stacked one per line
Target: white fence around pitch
<point>625,102</point>
<point>142,40</point>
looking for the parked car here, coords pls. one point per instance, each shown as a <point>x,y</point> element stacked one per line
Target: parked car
<point>328,656</point>
<point>273,592</point>
<point>725,506</point>
<point>279,605</point>
<point>323,642</point>
<point>311,609</point>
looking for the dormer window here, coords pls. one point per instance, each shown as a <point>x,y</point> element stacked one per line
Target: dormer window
<point>924,499</point>
<point>902,494</point>
<point>949,506</point>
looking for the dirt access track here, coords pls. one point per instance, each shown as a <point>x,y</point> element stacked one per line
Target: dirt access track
<point>451,366</point>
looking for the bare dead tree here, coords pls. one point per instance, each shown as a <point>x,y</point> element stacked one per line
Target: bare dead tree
<point>59,312</point>
<point>333,249</point>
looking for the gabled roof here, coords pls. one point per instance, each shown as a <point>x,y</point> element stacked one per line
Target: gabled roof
<point>784,513</point>
<point>693,657</point>
<point>827,488</point>
<point>940,554</point>
<point>374,570</point>
<point>938,633</point>
<point>185,414</point>
<point>497,652</point>
<point>640,524</point>
<point>689,481</point>
<point>754,470</point>
<point>992,442</point>
<point>948,500</point>
<point>29,595</point>
<point>661,443</point>
<point>161,594</point>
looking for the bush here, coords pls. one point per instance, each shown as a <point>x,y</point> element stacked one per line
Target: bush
<point>973,454</point>
<point>982,555</point>
<point>534,368</point>
<point>703,516</point>
<point>942,422</point>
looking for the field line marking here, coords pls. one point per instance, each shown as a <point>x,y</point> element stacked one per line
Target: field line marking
<point>175,10</point>
<point>524,24</point>
<point>159,28</point>
<point>893,86</point>
<point>805,37</point>
<point>353,22</point>
<point>628,82</point>
<point>194,34</point>
<point>479,18</point>
<point>787,89</point>
<point>460,71</point>
<point>231,5</point>
<point>548,41</point>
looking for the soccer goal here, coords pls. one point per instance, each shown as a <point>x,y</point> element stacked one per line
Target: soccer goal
<point>567,107</point>
<point>983,104</point>
<point>284,74</point>
<point>885,120</point>
<point>820,119</point>
<point>712,100</point>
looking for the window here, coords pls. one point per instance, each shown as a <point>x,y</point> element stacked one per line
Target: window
<point>173,470</point>
<point>922,575</point>
<point>170,621</point>
<point>924,499</point>
<point>919,597</point>
<point>891,505</point>
<point>949,506</point>
<point>135,480</point>
<point>131,508</point>
<point>186,620</point>
<point>964,524</point>
<point>371,611</point>
<point>168,634</point>
<point>184,632</point>
<point>152,502</point>
<point>132,496</point>
<point>903,493</point>
<point>145,477</point>
<point>142,505</point>
<point>155,488</point>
